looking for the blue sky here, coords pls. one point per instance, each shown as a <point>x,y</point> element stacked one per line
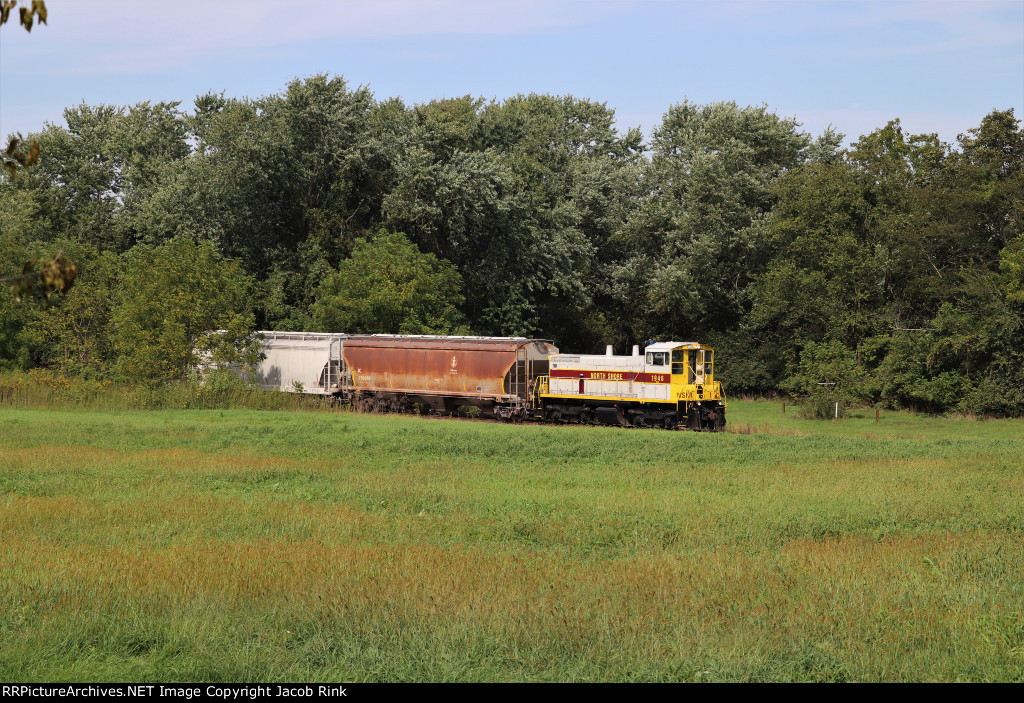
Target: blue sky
<point>940,66</point>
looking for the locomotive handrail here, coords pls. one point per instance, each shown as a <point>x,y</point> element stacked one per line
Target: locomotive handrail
<point>540,386</point>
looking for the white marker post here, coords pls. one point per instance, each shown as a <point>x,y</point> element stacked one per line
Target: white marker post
<point>828,388</point>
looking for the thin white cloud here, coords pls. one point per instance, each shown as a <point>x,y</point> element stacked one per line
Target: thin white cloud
<point>255,22</point>
<point>953,24</point>
<point>133,37</point>
<point>118,36</point>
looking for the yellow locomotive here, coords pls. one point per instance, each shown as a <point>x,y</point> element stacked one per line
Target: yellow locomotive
<point>671,384</point>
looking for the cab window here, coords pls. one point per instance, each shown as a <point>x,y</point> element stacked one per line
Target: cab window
<point>657,358</point>
<point>678,361</point>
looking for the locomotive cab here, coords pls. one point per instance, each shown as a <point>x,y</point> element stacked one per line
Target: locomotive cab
<point>692,369</point>
<point>692,366</point>
<point>701,399</point>
<point>689,370</point>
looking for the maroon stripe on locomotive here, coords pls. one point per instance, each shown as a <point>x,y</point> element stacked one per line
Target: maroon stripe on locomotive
<point>634,376</point>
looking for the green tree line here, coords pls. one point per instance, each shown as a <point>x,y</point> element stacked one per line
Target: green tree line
<point>893,268</point>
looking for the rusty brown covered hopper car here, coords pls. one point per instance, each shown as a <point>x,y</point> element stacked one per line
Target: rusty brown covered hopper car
<point>495,374</point>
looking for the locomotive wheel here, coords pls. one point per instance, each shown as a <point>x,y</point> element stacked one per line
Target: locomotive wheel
<point>719,423</point>
<point>693,419</point>
<point>711,421</point>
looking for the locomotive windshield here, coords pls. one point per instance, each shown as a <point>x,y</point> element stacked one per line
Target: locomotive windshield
<point>678,361</point>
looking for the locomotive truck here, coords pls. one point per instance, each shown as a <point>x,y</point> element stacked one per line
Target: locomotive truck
<point>670,385</point>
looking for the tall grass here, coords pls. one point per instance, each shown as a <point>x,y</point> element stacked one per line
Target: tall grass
<point>247,545</point>
<point>39,388</point>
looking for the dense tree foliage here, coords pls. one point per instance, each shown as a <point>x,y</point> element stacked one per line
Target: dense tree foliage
<point>168,301</point>
<point>896,265</point>
<point>903,251</point>
<point>390,286</point>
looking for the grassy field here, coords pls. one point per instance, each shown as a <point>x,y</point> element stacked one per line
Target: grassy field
<point>245,545</point>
